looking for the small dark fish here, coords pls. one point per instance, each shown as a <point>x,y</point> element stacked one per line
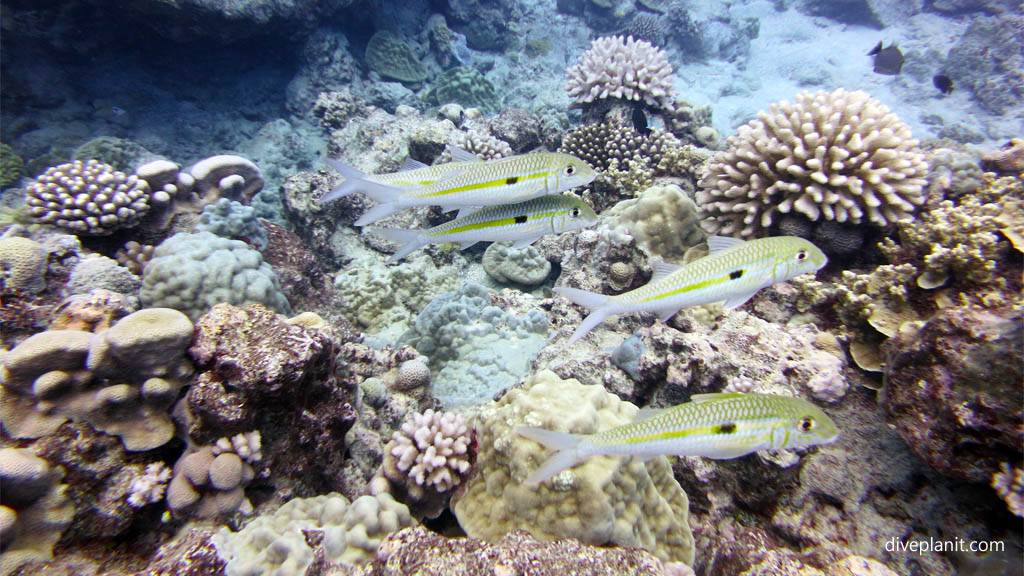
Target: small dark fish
<point>888,61</point>
<point>640,121</point>
<point>943,83</point>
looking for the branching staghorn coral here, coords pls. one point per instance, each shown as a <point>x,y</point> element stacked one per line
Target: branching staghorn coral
<point>835,156</point>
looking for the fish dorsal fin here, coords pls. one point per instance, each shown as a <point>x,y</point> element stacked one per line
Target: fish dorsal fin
<point>411,163</point>
<point>467,210</point>
<point>663,269</point>
<point>461,155</point>
<point>712,396</point>
<point>718,244</point>
<point>646,414</point>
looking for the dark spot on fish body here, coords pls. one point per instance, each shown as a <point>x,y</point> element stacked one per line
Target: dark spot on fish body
<point>511,179</point>
<point>735,274</point>
<point>521,219</point>
<point>726,428</point>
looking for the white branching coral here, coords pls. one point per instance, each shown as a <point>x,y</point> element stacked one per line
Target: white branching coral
<point>624,68</point>
<point>246,446</point>
<point>150,487</point>
<point>433,449</point>
<point>1009,484</point>
<point>838,156</point>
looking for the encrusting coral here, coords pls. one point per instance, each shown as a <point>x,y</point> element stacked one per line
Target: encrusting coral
<point>193,272</point>
<point>121,381</point>
<point>603,501</point>
<point>34,510</point>
<point>277,543</point>
<point>829,155</point>
<point>663,219</point>
<point>510,265</point>
<point>389,56</point>
<point>622,68</point>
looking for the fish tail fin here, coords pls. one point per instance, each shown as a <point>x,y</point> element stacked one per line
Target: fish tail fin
<point>566,454</point>
<point>356,181</point>
<point>378,212</point>
<point>408,240</point>
<point>592,300</point>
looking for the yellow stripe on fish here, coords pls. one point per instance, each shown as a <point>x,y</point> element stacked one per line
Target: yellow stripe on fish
<point>522,223</point>
<point>732,272</point>
<point>474,184</point>
<point>715,426</point>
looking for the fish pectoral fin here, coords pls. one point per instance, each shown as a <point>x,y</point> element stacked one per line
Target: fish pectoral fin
<point>467,244</point>
<point>411,163</point>
<point>728,453</point>
<point>525,242</point>
<point>447,209</point>
<point>461,155</point>
<point>663,269</point>
<point>466,211</point>
<point>718,244</point>
<point>666,315</point>
<point>738,300</point>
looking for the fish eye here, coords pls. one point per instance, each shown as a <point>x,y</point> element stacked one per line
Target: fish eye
<point>801,255</point>
<point>806,424</point>
<point>575,212</point>
<point>570,170</point>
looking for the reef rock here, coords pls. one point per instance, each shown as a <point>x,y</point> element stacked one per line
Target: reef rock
<point>954,391</point>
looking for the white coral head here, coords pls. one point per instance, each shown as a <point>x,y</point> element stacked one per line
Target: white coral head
<point>840,156</point>
<point>622,68</point>
<point>433,448</point>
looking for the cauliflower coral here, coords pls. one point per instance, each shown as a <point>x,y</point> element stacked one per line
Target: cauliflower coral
<point>838,156</point>
<point>432,449</point>
<point>617,67</point>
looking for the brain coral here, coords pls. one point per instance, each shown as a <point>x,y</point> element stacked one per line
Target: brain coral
<point>617,67</point>
<point>192,272</point>
<point>603,501</point>
<point>88,197</point>
<point>22,265</point>
<point>830,155</point>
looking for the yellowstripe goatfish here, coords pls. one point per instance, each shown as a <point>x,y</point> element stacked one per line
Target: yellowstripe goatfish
<point>522,223</point>
<point>732,271</point>
<point>502,181</point>
<point>719,426</point>
<point>412,174</point>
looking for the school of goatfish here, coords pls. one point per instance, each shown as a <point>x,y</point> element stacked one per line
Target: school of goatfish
<point>519,199</point>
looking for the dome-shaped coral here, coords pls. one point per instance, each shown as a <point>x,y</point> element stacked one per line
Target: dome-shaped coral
<point>88,197</point>
<point>835,156</point>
